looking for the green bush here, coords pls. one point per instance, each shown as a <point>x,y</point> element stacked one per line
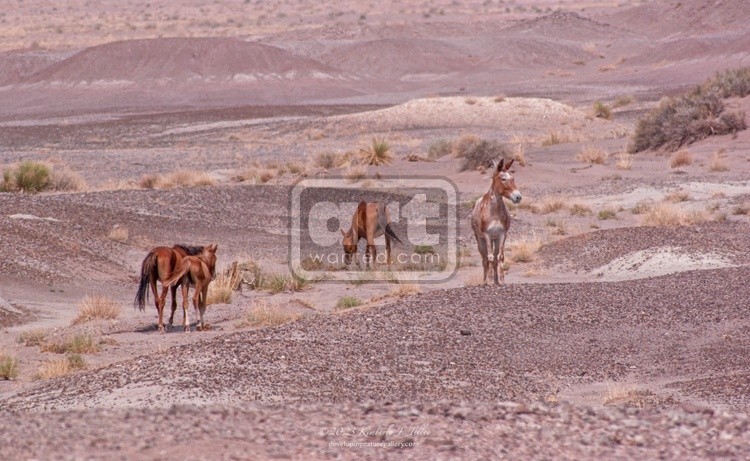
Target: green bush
<point>700,113</point>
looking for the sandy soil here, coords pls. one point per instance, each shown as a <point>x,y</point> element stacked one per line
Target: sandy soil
<point>615,339</point>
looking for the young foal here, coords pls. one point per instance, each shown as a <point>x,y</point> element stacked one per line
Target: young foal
<point>490,219</point>
<point>370,221</point>
<point>197,271</point>
<point>157,266</point>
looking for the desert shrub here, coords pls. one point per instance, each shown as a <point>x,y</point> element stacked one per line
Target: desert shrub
<point>602,110</point>
<point>677,196</point>
<point>700,113</point>
<point>63,179</point>
<point>263,315</point>
<point>668,215</point>
<point>424,250</point>
<point>578,209</point>
<point>622,101</point>
<point>347,302</point>
<point>119,234</point>
<point>717,162</point>
<point>327,160</point>
<point>603,215</point>
<point>624,160</point>
<point>550,205</point>
<point>60,367</point>
<point>524,249</point>
<point>8,366</point>
<point>742,209</point>
<point>440,148</point>
<point>732,82</point>
<point>556,137</point>
<point>94,307</point>
<point>275,283</point>
<point>593,155</point>
<point>483,153</point>
<point>681,158</point>
<point>377,153</point>
<point>355,173</point>
<point>77,344</point>
<point>28,176</point>
<point>33,337</point>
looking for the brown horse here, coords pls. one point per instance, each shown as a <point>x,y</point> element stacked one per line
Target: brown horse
<point>490,218</point>
<point>158,265</point>
<point>371,220</point>
<point>197,271</point>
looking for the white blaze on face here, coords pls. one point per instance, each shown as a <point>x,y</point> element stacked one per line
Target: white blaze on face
<point>514,196</point>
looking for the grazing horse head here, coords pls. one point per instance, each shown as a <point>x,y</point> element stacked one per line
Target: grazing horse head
<point>350,245</point>
<point>503,183</point>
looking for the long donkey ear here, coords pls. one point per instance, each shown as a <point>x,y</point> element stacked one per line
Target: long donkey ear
<point>507,167</point>
<point>212,247</point>
<point>342,232</point>
<point>499,165</point>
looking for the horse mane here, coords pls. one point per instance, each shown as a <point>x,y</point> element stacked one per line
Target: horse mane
<point>191,250</point>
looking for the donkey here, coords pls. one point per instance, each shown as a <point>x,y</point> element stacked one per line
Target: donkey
<point>157,266</point>
<point>195,271</point>
<point>490,218</point>
<point>371,220</point>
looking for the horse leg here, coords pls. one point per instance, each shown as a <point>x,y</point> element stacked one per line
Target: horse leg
<point>482,246</point>
<point>173,289</point>
<point>197,302</point>
<point>185,320</point>
<point>502,257</point>
<point>160,303</point>
<point>495,260</point>
<point>202,310</point>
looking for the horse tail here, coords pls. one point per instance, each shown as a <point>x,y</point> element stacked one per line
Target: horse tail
<point>147,268</point>
<point>384,224</point>
<point>178,273</point>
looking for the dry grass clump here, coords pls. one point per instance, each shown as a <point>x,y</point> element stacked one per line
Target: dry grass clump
<point>556,137</point>
<point>681,158</point>
<point>593,155</point>
<point>179,178</point>
<point>355,173</point>
<point>119,234</point>
<point>700,113</point>
<point>94,307</point>
<point>377,153</point>
<point>624,396</point>
<point>55,368</point>
<point>524,250</point>
<point>439,149</point>
<point>549,205</point>
<point>77,344</point>
<point>480,153</point>
<point>8,366</point>
<point>579,209</point>
<point>519,153</point>
<point>717,162</point>
<point>33,337</point>
<point>622,101</point>
<point>624,160</point>
<point>606,214</point>
<point>677,196</point>
<point>327,160</point>
<point>347,302</point>
<point>602,110</point>
<point>669,215</point>
<point>264,315</point>
<point>743,209</point>
<point>221,289</point>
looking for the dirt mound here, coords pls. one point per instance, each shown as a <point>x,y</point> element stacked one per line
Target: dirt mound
<point>608,252</point>
<point>662,19</point>
<point>181,59</point>
<point>563,25</point>
<point>17,65</point>
<point>469,344</point>
<point>510,116</point>
<point>400,58</point>
<point>689,48</point>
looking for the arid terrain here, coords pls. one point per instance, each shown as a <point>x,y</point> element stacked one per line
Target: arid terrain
<point>622,330</point>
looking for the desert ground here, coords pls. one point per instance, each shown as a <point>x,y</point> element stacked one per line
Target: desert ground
<point>622,330</point>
